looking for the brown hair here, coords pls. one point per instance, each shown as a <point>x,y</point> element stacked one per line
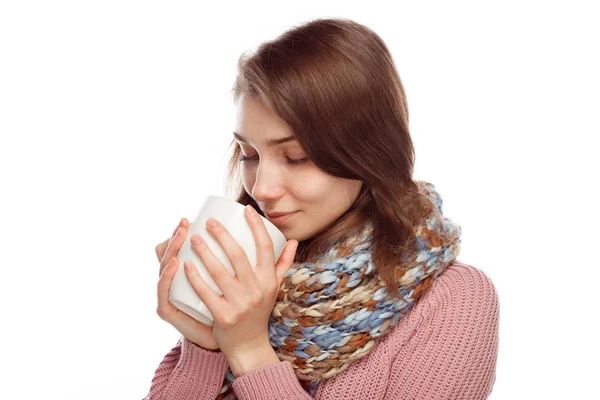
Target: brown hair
<point>333,81</point>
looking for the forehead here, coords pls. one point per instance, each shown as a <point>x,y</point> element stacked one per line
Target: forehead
<point>270,142</point>
<point>257,124</point>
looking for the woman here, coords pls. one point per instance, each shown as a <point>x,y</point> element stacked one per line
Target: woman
<point>367,300</point>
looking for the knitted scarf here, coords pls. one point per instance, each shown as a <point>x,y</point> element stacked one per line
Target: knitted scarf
<point>328,314</point>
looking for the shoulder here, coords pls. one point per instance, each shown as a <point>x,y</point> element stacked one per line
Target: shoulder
<point>454,325</point>
<point>461,287</point>
<point>463,294</point>
<point>463,280</point>
<point>462,299</point>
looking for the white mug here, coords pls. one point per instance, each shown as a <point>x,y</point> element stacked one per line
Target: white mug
<point>231,215</point>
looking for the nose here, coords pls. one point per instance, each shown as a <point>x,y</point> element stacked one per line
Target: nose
<point>268,185</point>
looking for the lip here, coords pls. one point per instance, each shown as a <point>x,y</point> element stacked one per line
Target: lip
<point>278,217</point>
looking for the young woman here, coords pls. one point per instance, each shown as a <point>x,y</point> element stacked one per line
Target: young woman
<point>367,300</point>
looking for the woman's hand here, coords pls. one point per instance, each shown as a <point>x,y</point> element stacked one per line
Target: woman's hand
<point>241,315</point>
<point>166,250</point>
<point>200,334</point>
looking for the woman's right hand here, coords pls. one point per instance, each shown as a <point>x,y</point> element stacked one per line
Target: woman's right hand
<point>166,252</point>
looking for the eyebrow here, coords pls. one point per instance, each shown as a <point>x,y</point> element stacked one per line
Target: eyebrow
<point>270,142</point>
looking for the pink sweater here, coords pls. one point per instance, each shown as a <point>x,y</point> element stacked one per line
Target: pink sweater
<point>444,347</point>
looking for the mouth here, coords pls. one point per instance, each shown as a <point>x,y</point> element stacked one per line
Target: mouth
<point>278,218</point>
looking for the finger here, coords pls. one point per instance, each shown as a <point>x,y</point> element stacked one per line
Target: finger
<point>165,308</point>
<point>170,313</point>
<point>184,223</point>
<point>235,253</point>
<point>265,255</point>
<point>286,260</point>
<point>173,247</point>
<point>214,266</point>
<point>216,304</point>
<point>161,248</point>
<point>168,242</point>
<point>176,229</point>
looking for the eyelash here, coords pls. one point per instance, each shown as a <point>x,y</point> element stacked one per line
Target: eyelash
<point>289,160</point>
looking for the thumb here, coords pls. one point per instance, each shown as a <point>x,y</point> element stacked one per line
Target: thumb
<point>286,260</point>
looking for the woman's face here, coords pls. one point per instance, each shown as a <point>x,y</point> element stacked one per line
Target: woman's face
<point>280,178</point>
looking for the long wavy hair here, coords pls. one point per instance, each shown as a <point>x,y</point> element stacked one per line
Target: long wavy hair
<point>334,82</point>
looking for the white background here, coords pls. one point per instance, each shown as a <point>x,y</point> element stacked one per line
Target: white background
<point>115,117</point>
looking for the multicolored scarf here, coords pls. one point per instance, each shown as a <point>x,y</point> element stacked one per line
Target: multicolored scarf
<point>328,314</point>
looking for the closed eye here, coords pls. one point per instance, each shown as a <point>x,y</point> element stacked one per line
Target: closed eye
<point>288,160</point>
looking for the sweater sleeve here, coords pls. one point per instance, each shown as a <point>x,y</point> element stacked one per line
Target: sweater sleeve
<point>272,382</point>
<point>188,372</point>
<point>452,355</point>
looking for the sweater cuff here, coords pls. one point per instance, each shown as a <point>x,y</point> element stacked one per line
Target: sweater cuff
<point>200,368</point>
<point>275,381</point>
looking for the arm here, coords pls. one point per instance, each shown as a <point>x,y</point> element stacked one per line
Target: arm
<point>188,372</point>
<point>453,355</point>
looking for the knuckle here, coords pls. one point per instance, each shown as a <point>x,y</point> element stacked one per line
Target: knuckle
<point>254,301</point>
<point>245,310</point>
<point>220,274</point>
<point>161,313</point>
<point>272,286</point>
<point>227,320</point>
<point>272,291</point>
<point>174,248</point>
<point>238,254</point>
<point>267,245</point>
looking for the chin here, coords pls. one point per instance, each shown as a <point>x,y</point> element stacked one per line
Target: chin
<point>288,233</point>
<point>297,236</point>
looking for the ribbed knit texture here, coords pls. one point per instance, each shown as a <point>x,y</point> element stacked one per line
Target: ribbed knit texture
<point>177,376</point>
<point>445,347</point>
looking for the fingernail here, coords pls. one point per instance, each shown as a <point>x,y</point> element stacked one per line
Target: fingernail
<point>211,222</point>
<point>196,239</point>
<point>251,210</point>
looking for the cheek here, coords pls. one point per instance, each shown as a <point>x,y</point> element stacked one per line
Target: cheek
<point>247,180</point>
<point>327,195</point>
<point>247,171</point>
<point>312,188</point>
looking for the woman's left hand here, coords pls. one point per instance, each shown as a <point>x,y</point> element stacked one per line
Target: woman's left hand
<point>241,315</point>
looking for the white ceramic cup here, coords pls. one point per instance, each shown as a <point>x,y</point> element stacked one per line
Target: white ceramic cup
<point>231,215</point>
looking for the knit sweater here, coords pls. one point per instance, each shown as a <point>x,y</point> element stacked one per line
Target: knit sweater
<point>444,347</point>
